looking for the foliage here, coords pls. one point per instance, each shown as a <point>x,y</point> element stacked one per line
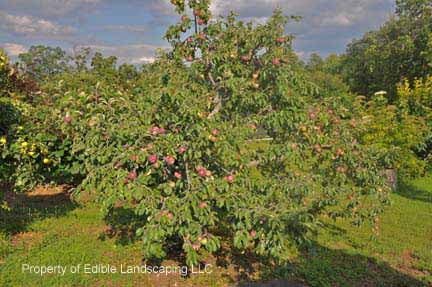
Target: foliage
<point>400,49</point>
<point>391,128</point>
<point>42,61</point>
<point>326,73</point>
<point>172,141</point>
<point>175,146</point>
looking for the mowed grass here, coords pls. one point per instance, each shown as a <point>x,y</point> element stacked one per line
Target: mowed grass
<point>67,234</point>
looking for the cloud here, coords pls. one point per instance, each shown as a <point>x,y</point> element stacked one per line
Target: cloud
<point>50,8</point>
<point>27,25</point>
<point>132,54</point>
<point>13,49</point>
<point>129,28</point>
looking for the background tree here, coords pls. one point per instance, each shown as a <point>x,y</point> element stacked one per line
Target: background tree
<point>40,62</point>
<point>399,50</point>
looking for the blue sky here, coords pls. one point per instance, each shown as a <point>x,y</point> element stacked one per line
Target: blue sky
<point>132,29</point>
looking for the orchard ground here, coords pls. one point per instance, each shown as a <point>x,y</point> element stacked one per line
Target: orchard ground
<point>48,228</point>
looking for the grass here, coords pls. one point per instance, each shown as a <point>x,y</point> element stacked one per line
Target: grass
<point>48,229</point>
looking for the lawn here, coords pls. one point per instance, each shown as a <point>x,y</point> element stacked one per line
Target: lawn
<point>47,228</point>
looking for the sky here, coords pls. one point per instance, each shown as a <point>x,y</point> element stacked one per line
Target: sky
<point>132,30</point>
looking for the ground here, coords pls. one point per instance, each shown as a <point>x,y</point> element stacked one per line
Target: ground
<point>47,227</point>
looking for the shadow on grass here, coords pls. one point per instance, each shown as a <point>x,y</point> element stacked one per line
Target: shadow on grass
<point>39,204</point>
<point>413,192</point>
<point>316,266</point>
<point>321,266</point>
<point>123,223</point>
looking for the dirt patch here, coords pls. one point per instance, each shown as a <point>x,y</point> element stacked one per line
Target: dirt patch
<point>26,239</point>
<point>408,261</point>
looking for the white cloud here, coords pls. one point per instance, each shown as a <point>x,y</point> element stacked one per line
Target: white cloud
<point>27,25</point>
<point>13,49</point>
<point>49,8</point>
<point>132,54</point>
<point>126,27</point>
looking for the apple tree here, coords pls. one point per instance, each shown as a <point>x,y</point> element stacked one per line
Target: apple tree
<point>178,145</point>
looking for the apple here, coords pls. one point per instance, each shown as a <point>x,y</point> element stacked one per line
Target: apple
<point>46,161</point>
<point>67,119</point>
<point>155,165</point>
<point>118,165</point>
<point>170,215</point>
<point>202,205</point>
<point>189,40</point>
<point>196,246</point>
<point>252,233</point>
<point>182,150</point>
<point>245,59</point>
<point>162,131</point>
<point>132,175</point>
<point>126,181</point>
<point>134,158</point>
<point>201,171</point>
<point>169,160</point>
<point>208,173</point>
<point>212,138</point>
<point>215,132</point>
<point>184,18</point>
<point>154,130</point>
<point>230,178</point>
<point>197,12</point>
<point>177,175</point>
<point>201,36</point>
<point>152,158</point>
<point>340,152</point>
<point>280,40</point>
<point>189,58</point>
<point>171,184</point>
<point>276,61</point>
<point>312,116</point>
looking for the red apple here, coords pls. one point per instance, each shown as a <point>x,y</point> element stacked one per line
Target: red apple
<point>215,132</point>
<point>202,205</point>
<point>177,175</point>
<point>230,178</point>
<point>312,116</point>
<point>169,160</point>
<point>280,40</point>
<point>118,165</point>
<point>201,36</point>
<point>181,150</point>
<point>134,158</point>
<point>245,59</point>
<point>132,175</point>
<point>197,12</point>
<point>170,215</point>
<point>67,119</point>
<point>276,61</point>
<point>252,233</point>
<point>189,58</point>
<point>153,158</point>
